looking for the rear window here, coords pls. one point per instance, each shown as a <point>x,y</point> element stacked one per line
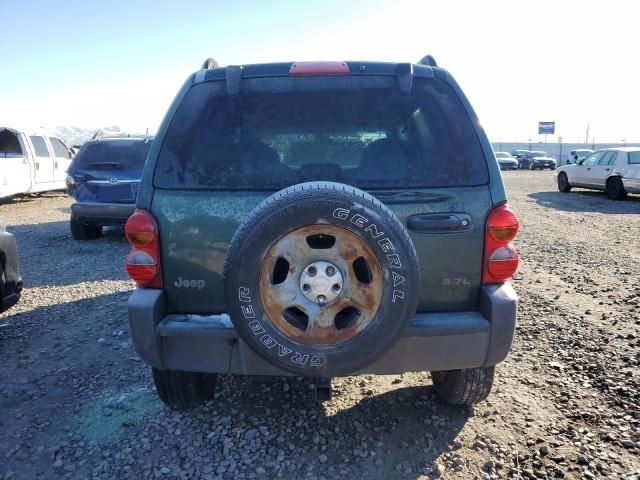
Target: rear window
<point>112,155</point>
<point>359,130</point>
<point>9,144</point>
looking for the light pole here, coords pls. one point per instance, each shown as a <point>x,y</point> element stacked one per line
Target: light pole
<point>560,155</point>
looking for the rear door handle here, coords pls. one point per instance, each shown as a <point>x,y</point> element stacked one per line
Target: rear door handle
<point>439,222</point>
<point>588,168</point>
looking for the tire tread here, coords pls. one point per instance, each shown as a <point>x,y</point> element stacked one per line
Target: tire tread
<point>465,387</point>
<point>179,389</point>
<point>79,231</point>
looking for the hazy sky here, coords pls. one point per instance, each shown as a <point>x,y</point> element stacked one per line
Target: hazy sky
<point>92,64</point>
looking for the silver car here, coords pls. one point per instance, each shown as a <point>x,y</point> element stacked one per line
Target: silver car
<point>614,170</point>
<point>506,161</point>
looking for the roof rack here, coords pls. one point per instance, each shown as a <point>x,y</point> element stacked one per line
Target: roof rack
<point>428,60</point>
<point>209,64</point>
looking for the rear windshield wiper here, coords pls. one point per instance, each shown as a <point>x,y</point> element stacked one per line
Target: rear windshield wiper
<point>110,165</point>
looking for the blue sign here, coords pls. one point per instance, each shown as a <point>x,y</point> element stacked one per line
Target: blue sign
<point>546,127</point>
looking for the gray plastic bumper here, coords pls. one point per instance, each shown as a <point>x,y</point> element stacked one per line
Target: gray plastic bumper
<point>102,213</point>
<point>434,341</point>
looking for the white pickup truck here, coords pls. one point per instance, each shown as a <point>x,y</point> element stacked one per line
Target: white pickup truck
<point>31,163</point>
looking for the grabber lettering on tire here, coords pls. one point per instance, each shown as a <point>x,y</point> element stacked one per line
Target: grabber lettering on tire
<point>321,279</point>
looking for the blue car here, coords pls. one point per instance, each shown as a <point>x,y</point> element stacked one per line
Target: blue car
<point>103,179</point>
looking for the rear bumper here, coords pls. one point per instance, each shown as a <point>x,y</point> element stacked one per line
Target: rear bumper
<point>434,341</point>
<point>10,282</point>
<point>631,185</point>
<point>102,213</point>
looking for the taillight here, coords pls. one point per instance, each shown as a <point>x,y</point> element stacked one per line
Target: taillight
<point>500,258</point>
<point>143,262</point>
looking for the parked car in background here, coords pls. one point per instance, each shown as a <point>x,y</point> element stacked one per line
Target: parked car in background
<point>31,163</point>
<point>539,160</point>
<point>524,161</point>
<point>258,251</point>
<point>103,179</point>
<point>576,155</point>
<point>506,161</point>
<point>519,154</point>
<point>614,170</point>
<point>10,281</point>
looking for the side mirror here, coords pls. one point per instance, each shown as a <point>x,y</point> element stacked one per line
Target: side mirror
<point>575,156</point>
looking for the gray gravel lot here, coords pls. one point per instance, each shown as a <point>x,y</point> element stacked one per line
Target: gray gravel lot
<point>76,402</point>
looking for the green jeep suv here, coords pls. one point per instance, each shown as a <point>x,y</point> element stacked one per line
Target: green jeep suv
<point>321,219</point>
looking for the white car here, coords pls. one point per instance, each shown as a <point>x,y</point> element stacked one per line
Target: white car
<point>577,155</point>
<point>31,163</point>
<point>614,170</point>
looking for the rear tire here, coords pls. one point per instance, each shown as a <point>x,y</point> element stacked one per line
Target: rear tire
<point>464,387</point>
<point>563,183</point>
<point>615,189</point>
<point>80,231</point>
<point>178,389</point>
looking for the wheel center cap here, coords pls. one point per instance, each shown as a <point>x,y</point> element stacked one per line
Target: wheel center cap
<point>321,282</point>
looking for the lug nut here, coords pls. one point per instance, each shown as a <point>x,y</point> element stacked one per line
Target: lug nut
<point>312,271</point>
<point>335,287</point>
<point>306,287</point>
<point>330,271</point>
<point>321,299</point>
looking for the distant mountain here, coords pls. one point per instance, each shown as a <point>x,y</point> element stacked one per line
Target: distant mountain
<point>77,136</point>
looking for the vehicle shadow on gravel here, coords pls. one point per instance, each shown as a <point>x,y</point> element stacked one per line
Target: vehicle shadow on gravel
<point>28,197</point>
<point>587,201</point>
<point>396,434</point>
<point>50,257</point>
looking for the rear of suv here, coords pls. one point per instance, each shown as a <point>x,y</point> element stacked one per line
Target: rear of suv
<point>103,179</point>
<point>322,219</point>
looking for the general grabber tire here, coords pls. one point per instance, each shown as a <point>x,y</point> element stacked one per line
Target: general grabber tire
<point>321,279</point>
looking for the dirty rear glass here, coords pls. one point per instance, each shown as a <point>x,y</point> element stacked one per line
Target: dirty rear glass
<point>112,155</point>
<point>359,130</point>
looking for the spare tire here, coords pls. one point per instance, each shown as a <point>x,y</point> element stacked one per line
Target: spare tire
<point>321,279</point>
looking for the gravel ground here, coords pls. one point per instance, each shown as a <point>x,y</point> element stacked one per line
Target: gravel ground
<point>76,402</point>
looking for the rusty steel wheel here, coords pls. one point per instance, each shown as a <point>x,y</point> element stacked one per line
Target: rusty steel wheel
<point>321,285</point>
<point>321,279</point>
